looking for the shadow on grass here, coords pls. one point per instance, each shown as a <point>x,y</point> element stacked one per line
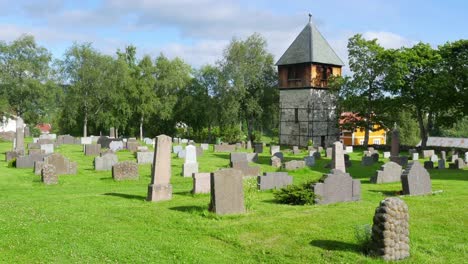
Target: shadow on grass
<point>387,193</point>
<point>185,193</point>
<point>127,196</point>
<point>335,245</point>
<point>197,209</point>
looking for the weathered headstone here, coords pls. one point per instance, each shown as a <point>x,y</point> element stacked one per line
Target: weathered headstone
<point>227,192</point>
<point>454,157</point>
<point>160,187</point>
<point>434,158</point>
<point>249,144</point>
<point>125,170</point>
<point>338,161</point>
<point>224,148</point>
<point>48,174</point>
<point>294,164</point>
<point>19,146</point>
<point>112,132</point>
<point>116,145</point>
<point>205,146</point>
<point>105,162</point>
<point>145,157</point>
<point>337,186</point>
<point>415,180</point>
<point>247,171</point>
<point>443,155</point>
<point>459,164</point>
<point>371,149</point>
<point>309,161</point>
<point>279,155</point>
<point>47,148</point>
<point>349,149</point>
<point>86,140</point>
<point>329,152</point>
<point>296,150</point>
<point>441,164</point>
<point>415,156</point>
<point>386,154</point>
<point>395,148</point>
<point>9,155</point>
<point>275,162</point>
<point>184,141</point>
<point>273,180</point>
<point>237,156</point>
<point>367,161</point>
<point>428,153</point>
<point>466,157</point>
<point>38,167</point>
<point>375,156</point>
<point>317,155</point>
<point>258,147</point>
<point>389,172</point>
<point>142,148</point>
<point>429,165</point>
<point>199,151</point>
<point>92,149</point>
<point>201,182</point>
<point>190,165</point>
<point>148,141</point>
<point>274,149</point>
<point>62,164</point>
<point>133,145</point>
<point>176,149</point>
<point>390,231</point>
<point>27,161</point>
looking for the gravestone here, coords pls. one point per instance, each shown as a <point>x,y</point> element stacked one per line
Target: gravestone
<point>105,162</point>
<point>337,186</point>
<point>386,154</point>
<point>181,154</point>
<point>47,148</point>
<point>320,149</point>
<point>27,131</point>
<point>190,165</point>
<point>434,158</point>
<point>415,180</point>
<point>395,148</point>
<point>27,161</point>
<point>428,165</point>
<point>296,150</point>
<point>247,171</point>
<point>349,149</point>
<point>145,157</point>
<point>375,156</point>
<point>443,155</point>
<point>133,145</point>
<point>389,172</point>
<point>148,141</point>
<point>367,161</point>
<point>112,132</point>
<point>36,151</point>
<point>67,139</point>
<point>428,153</point>
<point>317,155</point>
<point>279,155</point>
<point>275,162</point>
<point>176,149</point>
<point>274,149</point>
<point>92,149</point>
<point>184,141</point>
<point>205,146</point>
<point>329,152</point>
<point>9,155</point>
<point>309,161</point>
<point>61,164</point>
<point>224,148</point>
<point>142,148</point>
<point>201,182</point>
<point>104,141</point>
<point>199,151</point>
<point>371,150</point>
<point>160,187</point>
<point>294,164</point>
<point>273,180</point>
<point>125,170</point>
<point>390,230</point>
<point>338,161</point>
<point>38,167</point>
<point>48,174</point>
<point>86,140</point>
<point>441,164</point>
<point>411,151</point>
<point>116,145</point>
<point>227,192</point>
<point>252,157</point>
<point>237,156</point>
<point>249,144</point>
<point>258,147</point>
<point>19,135</point>
<point>176,140</point>
<point>415,156</point>
<point>466,157</point>
<point>459,164</point>
<point>454,157</point>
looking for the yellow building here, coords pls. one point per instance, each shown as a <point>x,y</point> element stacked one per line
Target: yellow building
<point>356,136</point>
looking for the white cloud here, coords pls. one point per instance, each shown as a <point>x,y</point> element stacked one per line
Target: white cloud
<point>389,40</point>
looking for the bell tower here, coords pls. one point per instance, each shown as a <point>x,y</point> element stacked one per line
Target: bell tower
<point>307,105</point>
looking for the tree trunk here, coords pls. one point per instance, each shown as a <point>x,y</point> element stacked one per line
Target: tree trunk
<point>209,133</point>
<point>366,133</point>
<point>422,128</point>
<point>141,128</point>
<point>116,132</point>
<point>249,129</point>
<point>85,126</point>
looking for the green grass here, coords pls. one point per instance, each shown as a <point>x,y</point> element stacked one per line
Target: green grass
<point>89,218</point>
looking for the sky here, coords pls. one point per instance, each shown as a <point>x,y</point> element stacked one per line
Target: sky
<point>199,31</point>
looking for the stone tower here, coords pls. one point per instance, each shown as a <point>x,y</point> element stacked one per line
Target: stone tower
<point>307,105</point>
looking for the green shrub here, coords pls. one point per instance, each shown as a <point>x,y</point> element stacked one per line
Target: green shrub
<point>35,132</point>
<point>310,143</point>
<point>295,194</point>
<point>363,234</point>
<point>12,163</point>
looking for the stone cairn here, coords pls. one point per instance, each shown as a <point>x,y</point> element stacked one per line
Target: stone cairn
<point>390,231</point>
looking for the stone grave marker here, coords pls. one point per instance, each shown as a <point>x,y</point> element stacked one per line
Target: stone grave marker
<point>249,144</point>
<point>247,171</point>
<point>145,157</point>
<point>337,186</point>
<point>258,147</point>
<point>205,146</point>
<point>415,180</point>
<point>443,155</point>
<point>390,231</point>
<point>48,174</point>
<point>428,165</point>
<point>273,180</point>
<point>201,182</point>
<point>19,145</point>
<point>86,140</point>
<point>227,192</point>
<point>61,164</point>
<point>296,150</point>
<point>415,156</point>
<point>274,149</point>
<point>349,149</point>
<point>389,172</point>
<point>116,145</point>
<point>148,141</point>
<point>386,154</point>
<point>428,153</point>
<point>367,161</point>
<point>275,162</point>
<point>454,157</point>
<point>441,164</point>
<point>125,170</point>
<point>160,187</point>
<point>47,148</point>
<point>176,149</point>
<point>329,152</point>
<point>224,148</point>
<point>105,162</point>
<point>181,154</point>
<point>375,156</point>
<point>309,161</point>
<point>92,149</point>
<point>338,161</point>
<point>294,164</point>
<point>27,161</point>
<point>190,165</point>
<point>434,158</point>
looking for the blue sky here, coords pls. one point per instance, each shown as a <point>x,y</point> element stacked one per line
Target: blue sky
<point>198,31</point>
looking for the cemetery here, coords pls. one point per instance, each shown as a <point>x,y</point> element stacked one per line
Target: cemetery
<point>248,157</point>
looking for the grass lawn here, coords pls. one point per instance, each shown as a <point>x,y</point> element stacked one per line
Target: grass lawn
<point>89,218</point>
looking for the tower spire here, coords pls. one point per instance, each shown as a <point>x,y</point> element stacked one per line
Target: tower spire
<point>310,17</point>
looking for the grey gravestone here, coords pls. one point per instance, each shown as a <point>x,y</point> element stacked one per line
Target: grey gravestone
<point>309,161</point>
<point>389,172</point>
<point>316,155</point>
<point>338,161</point>
<point>184,141</point>
<point>48,174</point>
<point>258,147</point>
<point>337,186</point>
<point>62,164</point>
<point>371,149</point>
<point>274,149</point>
<point>132,146</point>
<point>47,148</point>
<point>112,132</point>
<point>294,165</point>
<point>9,155</point>
<point>386,154</point>
<point>428,165</point>
<point>428,153</point>
<point>434,158</point>
<point>38,167</point>
<point>92,149</point>
<point>395,148</point>
<point>415,156</point>
<point>443,155</point>
<point>28,160</point>
<point>224,148</point>
<point>36,151</point>
<point>148,141</point>
<point>390,231</point>
<point>201,182</point>
<point>190,165</point>
<point>275,162</point>
<point>142,148</point>
<point>204,146</point>
<point>441,164</point>
<point>19,135</point>
<point>238,156</point>
<point>329,152</point>
<point>415,180</point>
<point>199,151</point>
<point>176,149</point>
<point>160,187</point>
<point>466,157</point>
<point>375,156</point>
<point>296,150</point>
<point>86,140</point>
<point>27,132</point>
<point>367,161</point>
<point>252,157</point>
<point>67,139</point>
<point>320,149</point>
<point>349,149</point>
<point>125,170</point>
<point>105,162</point>
<point>273,180</point>
<point>249,144</point>
<point>116,145</point>
<point>145,157</point>
<point>227,192</point>
<point>247,171</point>
<point>279,155</point>
<point>181,154</point>
<point>454,157</point>
<point>459,163</point>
